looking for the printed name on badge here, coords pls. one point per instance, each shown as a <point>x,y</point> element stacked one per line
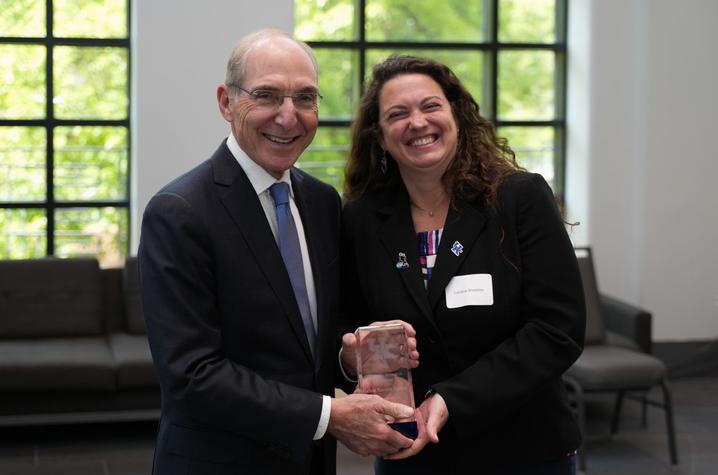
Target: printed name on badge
<point>473,289</point>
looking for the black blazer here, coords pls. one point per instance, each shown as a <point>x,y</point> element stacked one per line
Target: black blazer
<point>241,392</point>
<point>497,366</point>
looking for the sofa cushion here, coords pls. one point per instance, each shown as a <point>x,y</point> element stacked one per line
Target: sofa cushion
<point>133,306</point>
<point>134,361</point>
<point>50,298</point>
<point>57,363</point>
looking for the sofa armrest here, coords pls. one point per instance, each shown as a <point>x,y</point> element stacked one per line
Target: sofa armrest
<point>628,321</point>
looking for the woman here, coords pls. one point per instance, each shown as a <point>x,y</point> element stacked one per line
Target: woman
<point>443,231</point>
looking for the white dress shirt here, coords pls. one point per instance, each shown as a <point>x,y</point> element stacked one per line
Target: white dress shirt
<point>261,181</point>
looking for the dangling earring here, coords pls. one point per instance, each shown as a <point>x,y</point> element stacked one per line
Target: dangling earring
<point>382,162</point>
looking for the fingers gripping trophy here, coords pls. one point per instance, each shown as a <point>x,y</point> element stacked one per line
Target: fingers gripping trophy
<point>383,369</point>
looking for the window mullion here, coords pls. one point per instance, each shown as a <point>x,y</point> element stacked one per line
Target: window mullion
<point>49,128</point>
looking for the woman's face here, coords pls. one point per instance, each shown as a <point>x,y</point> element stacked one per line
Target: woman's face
<point>417,124</point>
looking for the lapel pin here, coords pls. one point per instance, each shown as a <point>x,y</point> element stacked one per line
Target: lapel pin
<point>457,248</point>
<point>401,263</point>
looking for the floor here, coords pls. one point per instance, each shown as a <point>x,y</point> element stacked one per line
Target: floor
<point>126,449</point>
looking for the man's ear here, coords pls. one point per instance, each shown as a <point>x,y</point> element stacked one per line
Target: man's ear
<point>223,102</point>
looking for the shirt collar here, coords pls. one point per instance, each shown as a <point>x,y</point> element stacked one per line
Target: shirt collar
<point>258,176</point>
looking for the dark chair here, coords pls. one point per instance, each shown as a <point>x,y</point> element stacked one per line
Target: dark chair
<point>616,361</point>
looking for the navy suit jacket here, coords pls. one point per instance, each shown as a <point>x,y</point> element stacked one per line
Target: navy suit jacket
<point>241,392</point>
<point>497,366</point>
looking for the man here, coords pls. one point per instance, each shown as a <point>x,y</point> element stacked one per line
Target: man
<point>239,278</point>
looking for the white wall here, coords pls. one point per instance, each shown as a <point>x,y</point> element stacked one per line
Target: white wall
<point>642,155</point>
<point>180,50</point>
<point>642,159</point>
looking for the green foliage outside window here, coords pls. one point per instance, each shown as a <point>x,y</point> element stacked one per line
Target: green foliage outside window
<point>90,83</point>
<point>511,72</point>
<point>425,20</point>
<point>526,85</point>
<point>90,18</point>
<point>22,81</point>
<point>337,70</point>
<point>85,124</point>
<point>90,163</point>
<point>527,21</point>
<point>22,18</point>
<point>23,233</point>
<point>22,163</point>
<point>98,232</point>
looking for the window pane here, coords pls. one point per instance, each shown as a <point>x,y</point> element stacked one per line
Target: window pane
<point>326,156</point>
<point>467,65</point>
<point>22,18</point>
<point>527,21</point>
<point>424,20</point>
<point>22,82</point>
<point>90,18</point>
<point>526,85</point>
<point>534,149</point>
<point>326,20</point>
<point>22,163</point>
<point>22,233</point>
<point>100,232</point>
<point>90,82</point>
<point>90,163</point>
<point>338,82</point>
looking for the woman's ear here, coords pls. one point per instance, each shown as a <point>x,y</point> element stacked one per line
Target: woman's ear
<point>379,137</point>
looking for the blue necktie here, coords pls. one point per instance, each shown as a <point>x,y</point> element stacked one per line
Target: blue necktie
<point>292,255</point>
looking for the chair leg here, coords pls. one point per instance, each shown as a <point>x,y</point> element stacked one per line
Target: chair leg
<point>616,412</point>
<point>581,415</point>
<point>668,408</point>
<point>644,410</point>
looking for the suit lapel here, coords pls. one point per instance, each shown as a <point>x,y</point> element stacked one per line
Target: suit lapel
<point>398,237</point>
<point>242,204</point>
<point>463,225</point>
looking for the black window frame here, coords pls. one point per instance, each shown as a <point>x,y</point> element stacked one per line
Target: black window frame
<point>493,47</point>
<point>49,123</point>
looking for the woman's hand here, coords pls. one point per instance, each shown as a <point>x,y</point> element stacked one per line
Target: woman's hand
<point>435,413</point>
<point>349,345</point>
<point>430,419</point>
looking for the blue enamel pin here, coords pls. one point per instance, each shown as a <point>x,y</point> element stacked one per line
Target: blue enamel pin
<point>457,248</point>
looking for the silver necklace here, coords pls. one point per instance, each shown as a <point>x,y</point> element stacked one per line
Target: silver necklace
<point>429,211</point>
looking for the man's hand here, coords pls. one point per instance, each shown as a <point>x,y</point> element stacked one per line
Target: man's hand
<point>349,344</point>
<point>360,421</point>
<point>430,418</point>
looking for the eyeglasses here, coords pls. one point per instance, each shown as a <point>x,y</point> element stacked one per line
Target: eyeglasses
<point>270,99</point>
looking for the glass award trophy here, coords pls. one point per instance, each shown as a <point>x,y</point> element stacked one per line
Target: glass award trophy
<point>383,369</point>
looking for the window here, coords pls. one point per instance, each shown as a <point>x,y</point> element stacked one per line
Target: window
<point>511,55</point>
<point>64,129</point>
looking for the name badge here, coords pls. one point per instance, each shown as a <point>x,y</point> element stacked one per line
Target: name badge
<point>474,289</point>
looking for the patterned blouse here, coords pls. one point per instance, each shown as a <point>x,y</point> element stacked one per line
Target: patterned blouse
<point>428,246</point>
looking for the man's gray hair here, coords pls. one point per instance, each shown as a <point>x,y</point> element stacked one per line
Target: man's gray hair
<point>237,64</point>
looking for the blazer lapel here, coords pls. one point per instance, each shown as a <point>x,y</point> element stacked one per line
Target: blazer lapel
<point>463,225</point>
<point>398,237</point>
<point>242,204</point>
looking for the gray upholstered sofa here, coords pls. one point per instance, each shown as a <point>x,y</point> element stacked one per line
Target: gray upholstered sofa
<point>73,346</point>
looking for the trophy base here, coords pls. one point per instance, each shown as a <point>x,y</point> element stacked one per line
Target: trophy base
<point>409,429</point>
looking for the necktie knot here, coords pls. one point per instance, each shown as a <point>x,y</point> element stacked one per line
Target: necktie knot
<point>280,193</point>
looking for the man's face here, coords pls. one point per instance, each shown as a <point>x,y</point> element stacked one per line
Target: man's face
<point>272,136</point>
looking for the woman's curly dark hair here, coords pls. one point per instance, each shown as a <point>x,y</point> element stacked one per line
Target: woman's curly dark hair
<point>482,160</point>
